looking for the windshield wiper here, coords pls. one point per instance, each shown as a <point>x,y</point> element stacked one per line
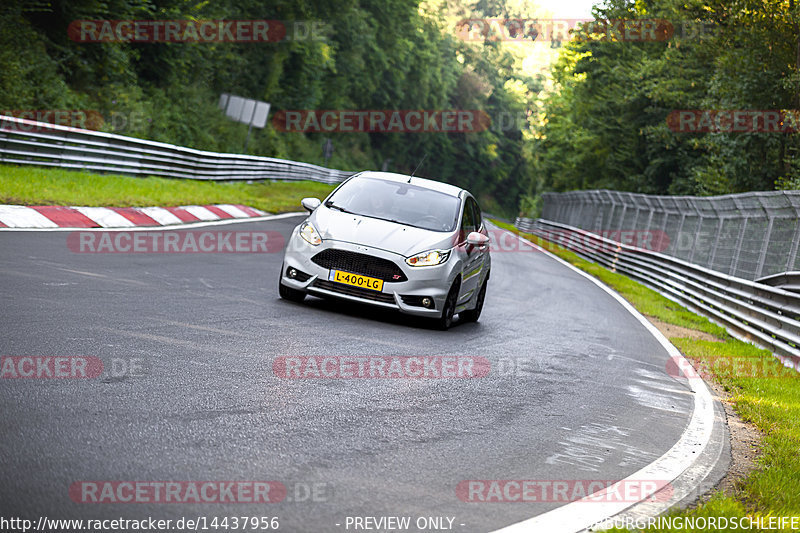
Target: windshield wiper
<point>396,222</point>
<point>331,205</point>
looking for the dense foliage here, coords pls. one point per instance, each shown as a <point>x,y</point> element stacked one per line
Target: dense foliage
<point>602,124</point>
<point>374,55</point>
<point>605,125</point>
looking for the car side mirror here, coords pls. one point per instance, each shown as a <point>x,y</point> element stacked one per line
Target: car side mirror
<point>310,203</point>
<point>477,239</point>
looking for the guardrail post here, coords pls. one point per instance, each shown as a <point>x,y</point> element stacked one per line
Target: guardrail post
<point>793,253</point>
<point>693,203</point>
<point>601,209</point>
<point>720,220</point>
<point>649,216</point>
<point>604,209</point>
<point>587,210</point>
<point>3,139</point>
<point>624,209</point>
<point>696,238</point>
<point>762,255</point>
<point>612,210</point>
<point>636,216</point>
<point>738,249</point>
<point>720,223</point>
<point>679,233</point>
<point>666,218</point>
<point>795,202</point>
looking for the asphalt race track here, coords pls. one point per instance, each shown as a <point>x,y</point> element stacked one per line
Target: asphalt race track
<point>578,389</point>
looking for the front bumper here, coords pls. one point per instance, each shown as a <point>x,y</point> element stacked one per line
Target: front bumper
<point>433,282</point>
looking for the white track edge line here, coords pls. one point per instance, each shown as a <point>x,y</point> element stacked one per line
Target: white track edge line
<point>571,517</point>
<point>189,225</point>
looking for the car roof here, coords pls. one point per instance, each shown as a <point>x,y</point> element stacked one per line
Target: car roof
<point>439,186</point>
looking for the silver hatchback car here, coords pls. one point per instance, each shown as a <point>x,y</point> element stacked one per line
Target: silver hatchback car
<point>393,241</point>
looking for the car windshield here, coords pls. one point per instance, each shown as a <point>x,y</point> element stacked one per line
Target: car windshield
<point>403,203</point>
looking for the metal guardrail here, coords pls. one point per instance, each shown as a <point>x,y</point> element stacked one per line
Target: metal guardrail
<point>27,142</point>
<point>766,315</point>
<point>748,235</point>
<point>789,281</point>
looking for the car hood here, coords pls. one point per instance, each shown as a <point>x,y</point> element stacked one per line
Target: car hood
<point>376,233</point>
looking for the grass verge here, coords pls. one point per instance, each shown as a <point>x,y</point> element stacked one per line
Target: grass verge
<point>760,389</point>
<point>29,185</point>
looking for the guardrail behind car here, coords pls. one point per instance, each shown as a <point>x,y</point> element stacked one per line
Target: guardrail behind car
<point>748,235</point>
<point>27,142</point>
<point>766,315</point>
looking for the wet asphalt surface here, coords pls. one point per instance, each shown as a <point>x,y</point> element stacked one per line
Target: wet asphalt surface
<point>577,390</point>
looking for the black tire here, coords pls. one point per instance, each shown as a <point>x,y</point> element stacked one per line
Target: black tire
<point>288,293</point>
<point>448,310</point>
<point>474,314</point>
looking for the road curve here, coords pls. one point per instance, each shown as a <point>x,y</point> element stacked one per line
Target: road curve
<point>577,390</point>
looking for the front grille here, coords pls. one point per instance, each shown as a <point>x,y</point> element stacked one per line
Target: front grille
<point>367,265</point>
<point>354,291</point>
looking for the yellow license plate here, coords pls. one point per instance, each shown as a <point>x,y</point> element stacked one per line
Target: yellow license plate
<point>356,280</point>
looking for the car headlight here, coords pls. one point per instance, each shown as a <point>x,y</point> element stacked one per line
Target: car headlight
<point>429,258</point>
<point>309,234</point>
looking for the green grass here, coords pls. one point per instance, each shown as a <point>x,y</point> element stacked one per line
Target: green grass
<point>29,185</point>
<point>760,389</point>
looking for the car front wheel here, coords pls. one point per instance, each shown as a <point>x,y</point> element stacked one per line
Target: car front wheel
<point>448,310</point>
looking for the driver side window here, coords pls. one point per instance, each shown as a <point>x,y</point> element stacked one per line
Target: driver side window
<point>476,214</point>
<point>467,220</point>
